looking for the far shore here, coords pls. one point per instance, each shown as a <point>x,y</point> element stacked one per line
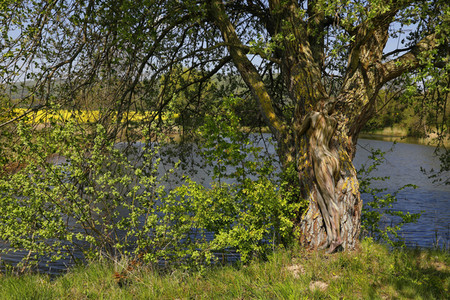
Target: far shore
<point>400,135</point>
<point>390,134</point>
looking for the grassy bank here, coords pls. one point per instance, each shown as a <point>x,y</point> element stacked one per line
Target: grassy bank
<point>371,272</point>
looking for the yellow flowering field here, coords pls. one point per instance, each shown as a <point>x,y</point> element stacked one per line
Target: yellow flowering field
<point>83,116</point>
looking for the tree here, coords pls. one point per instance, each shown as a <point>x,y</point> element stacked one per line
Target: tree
<point>315,68</point>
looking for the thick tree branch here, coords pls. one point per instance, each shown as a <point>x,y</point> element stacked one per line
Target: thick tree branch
<point>370,38</point>
<point>247,70</point>
<point>245,48</point>
<point>408,61</point>
<point>396,51</point>
<point>301,68</point>
<point>316,32</point>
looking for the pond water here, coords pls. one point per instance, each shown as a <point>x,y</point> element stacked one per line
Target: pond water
<point>403,166</point>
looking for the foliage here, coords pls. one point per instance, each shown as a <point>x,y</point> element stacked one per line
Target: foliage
<point>421,110</point>
<point>260,200</point>
<point>97,198</point>
<point>54,208</point>
<point>191,98</point>
<point>110,200</point>
<point>379,211</point>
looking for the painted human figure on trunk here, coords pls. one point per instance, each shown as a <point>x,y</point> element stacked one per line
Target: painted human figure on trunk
<point>320,128</point>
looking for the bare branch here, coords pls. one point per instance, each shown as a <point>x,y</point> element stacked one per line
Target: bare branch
<point>396,51</point>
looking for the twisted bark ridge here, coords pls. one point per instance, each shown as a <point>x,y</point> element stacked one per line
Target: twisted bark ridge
<point>329,182</point>
<point>318,135</point>
<point>331,187</point>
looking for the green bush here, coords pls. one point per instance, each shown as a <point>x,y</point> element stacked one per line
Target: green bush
<point>107,202</point>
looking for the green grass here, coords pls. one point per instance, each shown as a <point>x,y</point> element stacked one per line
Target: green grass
<point>372,272</point>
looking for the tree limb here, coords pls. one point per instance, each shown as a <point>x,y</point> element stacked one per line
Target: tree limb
<point>247,70</point>
<point>408,61</point>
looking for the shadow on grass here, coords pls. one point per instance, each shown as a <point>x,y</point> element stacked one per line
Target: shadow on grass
<point>421,275</point>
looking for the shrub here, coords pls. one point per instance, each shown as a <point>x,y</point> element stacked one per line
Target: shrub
<point>107,200</point>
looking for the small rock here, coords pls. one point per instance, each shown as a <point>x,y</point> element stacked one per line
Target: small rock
<point>318,285</point>
<point>439,266</point>
<point>296,270</point>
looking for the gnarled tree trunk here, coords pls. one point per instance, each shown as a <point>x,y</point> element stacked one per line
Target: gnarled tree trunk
<point>312,224</point>
<point>323,153</point>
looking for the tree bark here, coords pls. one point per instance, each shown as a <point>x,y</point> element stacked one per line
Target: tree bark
<point>312,225</point>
